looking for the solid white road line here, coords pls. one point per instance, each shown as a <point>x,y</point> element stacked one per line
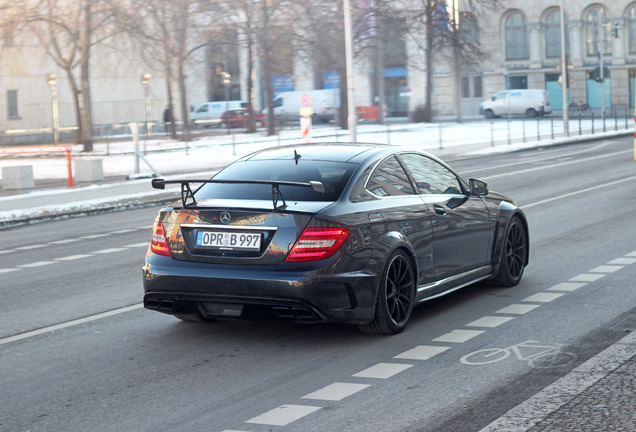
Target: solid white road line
<point>49,329</point>
<point>578,192</point>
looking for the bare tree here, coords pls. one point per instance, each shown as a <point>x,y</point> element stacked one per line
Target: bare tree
<point>447,37</point>
<point>167,34</point>
<point>68,31</point>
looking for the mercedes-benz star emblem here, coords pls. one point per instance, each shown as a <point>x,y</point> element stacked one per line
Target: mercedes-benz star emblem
<point>226,217</point>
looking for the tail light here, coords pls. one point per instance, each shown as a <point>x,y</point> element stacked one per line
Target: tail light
<point>159,245</point>
<point>318,243</point>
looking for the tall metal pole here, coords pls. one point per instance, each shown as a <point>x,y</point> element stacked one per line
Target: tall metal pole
<point>351,119</point>
<point>564,75</point>
<point>601,47</point>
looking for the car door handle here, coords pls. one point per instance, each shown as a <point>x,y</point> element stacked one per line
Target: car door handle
<point>439,209</point>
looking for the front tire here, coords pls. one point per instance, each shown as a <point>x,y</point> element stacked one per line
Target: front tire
<point>396,296</point>
<point>489,114</point>
<point>514,255</point>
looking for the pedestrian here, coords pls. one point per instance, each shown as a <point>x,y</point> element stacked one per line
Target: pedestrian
<point>167,116</point>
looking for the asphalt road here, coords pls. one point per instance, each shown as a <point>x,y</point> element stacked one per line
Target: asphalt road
<point>96,361</point>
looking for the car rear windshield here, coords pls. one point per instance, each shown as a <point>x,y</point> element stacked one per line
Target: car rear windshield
<point>333,175</point>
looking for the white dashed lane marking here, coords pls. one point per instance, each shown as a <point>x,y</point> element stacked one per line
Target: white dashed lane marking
<point>458,336</point>
<point>37,264</point>
<point>382,370</point>
<point>606,269</point>
<point>567,286</point>
<point>109,251</point>
<point>336,391</point>
<point>73,257</point>
<point>422,352</point>
<point>587,277</point>
<point>284,415</point>
<point>77,256</point>
<point>543,297</point>
<point>489,321</point>
<point>518,309</point>
<point>622,261</point>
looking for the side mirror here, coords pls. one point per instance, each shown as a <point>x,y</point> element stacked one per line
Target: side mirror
<point>492,98</point>
<point>478,187</point>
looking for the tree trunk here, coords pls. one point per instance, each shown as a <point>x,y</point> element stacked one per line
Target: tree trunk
<point>86,120</point>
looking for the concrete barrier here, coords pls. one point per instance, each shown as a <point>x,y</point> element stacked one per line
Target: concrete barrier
<point>88,170</point>
<point>17,177</point>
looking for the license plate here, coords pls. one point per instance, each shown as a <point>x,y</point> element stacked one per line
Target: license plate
<point>240,241</point>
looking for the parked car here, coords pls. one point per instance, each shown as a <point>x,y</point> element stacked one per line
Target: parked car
<point>209,113</point>
<point>238,118</point>
<point>528,102</point>
<point>351,233</point>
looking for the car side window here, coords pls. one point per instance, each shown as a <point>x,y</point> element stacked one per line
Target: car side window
<point>430,176</point>
<point>389,179</point>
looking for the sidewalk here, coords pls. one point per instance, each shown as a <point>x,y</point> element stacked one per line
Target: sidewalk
<point>598,395</point>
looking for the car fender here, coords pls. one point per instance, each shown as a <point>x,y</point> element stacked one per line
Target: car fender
<point>388,243</point>
<point>507,211</point>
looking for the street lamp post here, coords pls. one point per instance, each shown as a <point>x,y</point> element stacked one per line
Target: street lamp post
<point>51,80</point>
<point>145,78</point>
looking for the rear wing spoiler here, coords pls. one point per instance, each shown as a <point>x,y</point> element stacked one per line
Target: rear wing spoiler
<point>187,194</point>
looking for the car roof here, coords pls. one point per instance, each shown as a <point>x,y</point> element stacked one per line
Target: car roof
<point>335,152</point>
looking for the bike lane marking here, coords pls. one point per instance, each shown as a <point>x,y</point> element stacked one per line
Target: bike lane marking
<point>286,414</point>
<point>526,415</point>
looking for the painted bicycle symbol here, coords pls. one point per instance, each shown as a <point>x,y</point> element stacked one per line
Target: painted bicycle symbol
<point>537,355</point>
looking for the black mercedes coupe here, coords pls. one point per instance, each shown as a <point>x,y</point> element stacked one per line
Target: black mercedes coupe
<point>351,233</point>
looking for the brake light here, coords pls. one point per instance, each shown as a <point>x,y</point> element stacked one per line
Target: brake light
<point>159,245</point>
<point>318,243</point>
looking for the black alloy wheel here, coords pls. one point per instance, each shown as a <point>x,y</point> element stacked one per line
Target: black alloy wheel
<point>396,296</point>
<point>513,260</point>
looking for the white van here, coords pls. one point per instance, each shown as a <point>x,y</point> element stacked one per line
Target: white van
<point>325,104</point>
<point>530,102</point>
<point>209,114</point>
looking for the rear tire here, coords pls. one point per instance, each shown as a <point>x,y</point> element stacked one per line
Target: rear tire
<point>396,296</point>
<point>513,256</point>
<point>531,113</point>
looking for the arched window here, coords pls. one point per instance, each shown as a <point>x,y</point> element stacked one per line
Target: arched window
<point>516,37</point>
<point>594,19</point>
<point>553,34</point>
<point>469,28</point>
<point>631,28</point>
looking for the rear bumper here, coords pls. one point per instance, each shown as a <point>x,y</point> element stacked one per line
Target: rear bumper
<point>295,293</point>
